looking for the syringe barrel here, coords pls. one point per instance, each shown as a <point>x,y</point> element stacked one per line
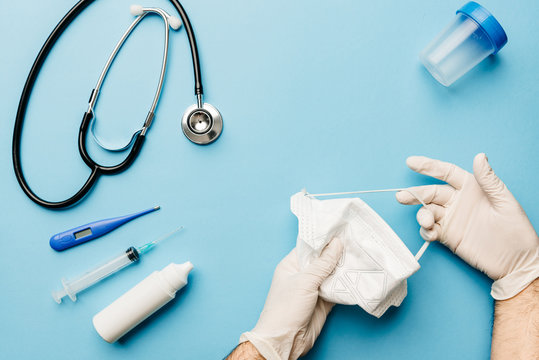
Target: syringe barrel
<point>92,277</point>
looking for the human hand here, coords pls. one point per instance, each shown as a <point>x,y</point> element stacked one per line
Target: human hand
<point>293,314</point>
<point>478,218</point>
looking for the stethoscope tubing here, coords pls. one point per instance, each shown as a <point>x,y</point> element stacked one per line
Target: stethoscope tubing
<point>96,169</point>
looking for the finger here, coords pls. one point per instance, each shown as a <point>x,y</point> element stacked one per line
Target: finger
<point>436,194</point>
<point>489,182</point>
<point>319,269</point>
<point>450,173</point>
<point>431,234</point>
<point>428,216</point>
<point>425,218</point>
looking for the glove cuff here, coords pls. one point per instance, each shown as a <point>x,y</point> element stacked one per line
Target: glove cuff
<point>511,284</point>
<point>264,348</point>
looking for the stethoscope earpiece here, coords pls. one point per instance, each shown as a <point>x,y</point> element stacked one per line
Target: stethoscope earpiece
<point>202,124</point>
<point>174,22</point>
<point>136,10</point>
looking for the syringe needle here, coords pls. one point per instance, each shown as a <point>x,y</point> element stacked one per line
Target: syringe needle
<point>146,247</point>
<point>167,235</point>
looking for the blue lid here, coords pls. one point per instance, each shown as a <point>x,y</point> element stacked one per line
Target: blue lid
<point>488,22</point>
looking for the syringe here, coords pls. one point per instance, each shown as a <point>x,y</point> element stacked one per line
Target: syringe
<point>130,256</point>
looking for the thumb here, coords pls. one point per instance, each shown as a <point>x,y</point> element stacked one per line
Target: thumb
<point>489,182</point>
<point>319,269</point>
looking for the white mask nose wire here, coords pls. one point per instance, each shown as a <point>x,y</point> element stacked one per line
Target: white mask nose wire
<point>423,247</point>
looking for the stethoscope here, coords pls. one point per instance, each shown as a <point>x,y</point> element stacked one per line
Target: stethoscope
<point>201,123</point>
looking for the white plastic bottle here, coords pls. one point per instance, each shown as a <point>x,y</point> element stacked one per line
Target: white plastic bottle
<point>141,301</point>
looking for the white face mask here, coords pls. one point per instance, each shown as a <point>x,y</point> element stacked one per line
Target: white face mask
<point>375,264</point>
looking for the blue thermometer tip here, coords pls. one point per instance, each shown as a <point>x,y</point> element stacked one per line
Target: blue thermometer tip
<point>93,230</point>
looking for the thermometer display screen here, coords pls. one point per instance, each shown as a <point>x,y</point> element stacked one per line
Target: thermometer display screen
<point>83,233</point>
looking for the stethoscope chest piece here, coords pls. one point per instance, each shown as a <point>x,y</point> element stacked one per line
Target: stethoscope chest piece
<point>202,125</point>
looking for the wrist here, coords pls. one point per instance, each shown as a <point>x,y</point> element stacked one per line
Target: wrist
<point>515,282</point>
<point>268,348</point>
<point>245,351</point>
<point>515,332</point>
<point>526,296</point>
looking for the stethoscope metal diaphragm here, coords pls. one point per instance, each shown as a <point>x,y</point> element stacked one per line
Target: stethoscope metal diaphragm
<point>202,125</point>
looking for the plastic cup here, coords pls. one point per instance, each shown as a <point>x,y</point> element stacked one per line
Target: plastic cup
<point>473,35</point>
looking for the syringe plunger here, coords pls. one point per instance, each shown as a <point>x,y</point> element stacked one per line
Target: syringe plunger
<point>73,287</point>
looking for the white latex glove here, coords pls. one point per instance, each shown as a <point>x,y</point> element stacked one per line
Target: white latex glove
<point>479,220</point>
<point>293,314</point>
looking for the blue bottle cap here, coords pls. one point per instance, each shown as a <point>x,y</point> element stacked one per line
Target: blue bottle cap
<point>487,22</point>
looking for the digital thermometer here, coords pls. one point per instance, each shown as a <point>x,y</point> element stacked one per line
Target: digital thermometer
<point>93,230</point>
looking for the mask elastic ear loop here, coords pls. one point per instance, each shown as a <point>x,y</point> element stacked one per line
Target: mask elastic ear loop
<point>423,247</point>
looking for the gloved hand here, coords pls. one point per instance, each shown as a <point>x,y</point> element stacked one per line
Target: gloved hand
<point>294,315</point>
<point>479,220</point>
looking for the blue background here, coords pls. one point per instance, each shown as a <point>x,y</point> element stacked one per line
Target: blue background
<point>329,96</point>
